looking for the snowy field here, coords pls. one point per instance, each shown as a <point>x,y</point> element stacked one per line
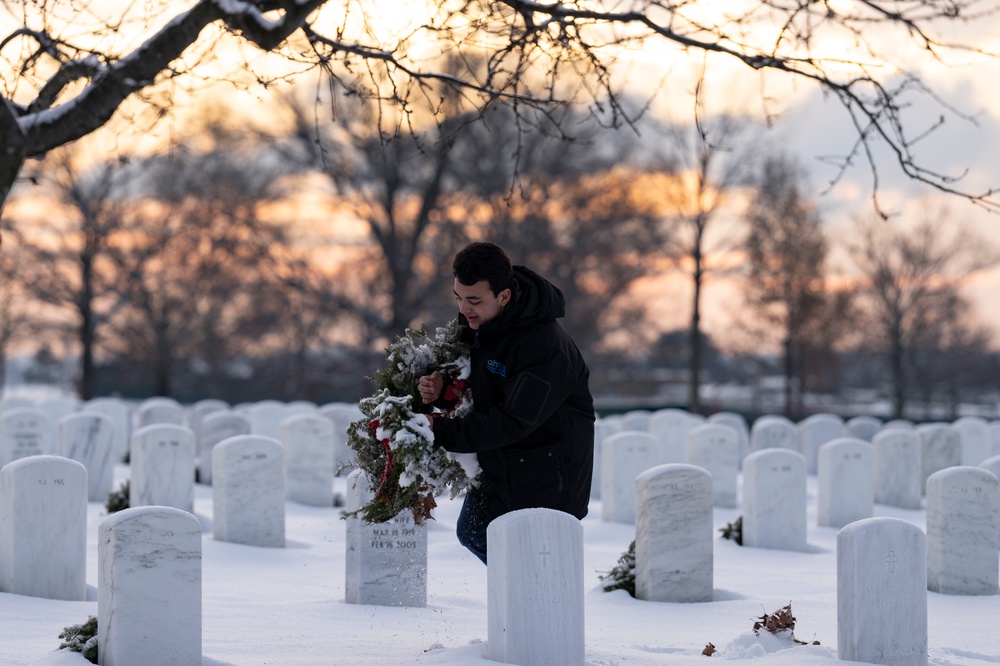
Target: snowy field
<point>286,606</point>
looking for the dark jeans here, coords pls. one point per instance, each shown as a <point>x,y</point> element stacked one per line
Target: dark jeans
<point>472,524</point>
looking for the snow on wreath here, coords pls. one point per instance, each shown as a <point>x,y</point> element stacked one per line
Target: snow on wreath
<point>394,445</point>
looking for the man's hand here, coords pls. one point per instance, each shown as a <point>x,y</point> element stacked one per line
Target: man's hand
<point>430,387</point>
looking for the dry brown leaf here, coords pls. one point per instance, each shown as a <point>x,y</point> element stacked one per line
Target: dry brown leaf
<point>776,621</point>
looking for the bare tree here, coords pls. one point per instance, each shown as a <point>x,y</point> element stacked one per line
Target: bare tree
<point>912,282</point>
<point>786,253</point>
<point>421,194</point>
<point>399,188</point>
<point>65,267</point>
<point>196,263</point>
<point>16,319</point>
<point>583,213</point>
<point>953,363</point>
<point>65,75</point>
<point>713,159</point>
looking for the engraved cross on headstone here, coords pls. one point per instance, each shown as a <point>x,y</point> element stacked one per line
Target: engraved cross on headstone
<point>890,559</point>
<point>545,552</point>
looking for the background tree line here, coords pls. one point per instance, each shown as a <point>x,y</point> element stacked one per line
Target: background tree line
<point>248,264</point>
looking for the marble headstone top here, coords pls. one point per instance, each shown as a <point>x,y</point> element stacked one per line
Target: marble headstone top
<point>882,593</point>
<point>43,528</point>
<point>535,588</point>
<point>149,588</point>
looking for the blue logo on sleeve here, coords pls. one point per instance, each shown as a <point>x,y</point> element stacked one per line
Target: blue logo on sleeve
<point>496,367</point>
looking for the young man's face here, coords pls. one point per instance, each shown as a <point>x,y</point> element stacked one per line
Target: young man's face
<point>478,303</point>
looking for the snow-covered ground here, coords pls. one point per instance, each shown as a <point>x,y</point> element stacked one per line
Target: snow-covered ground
<point>286,606</point>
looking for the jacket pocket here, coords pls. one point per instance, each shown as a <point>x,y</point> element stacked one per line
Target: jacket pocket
<point>537,477</point>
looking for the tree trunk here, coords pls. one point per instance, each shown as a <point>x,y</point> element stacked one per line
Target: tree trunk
<point>694,398</point>
<point>164,363</point>
<point>86,387</point>
<point>13,153</point>
<point>898,376</point>
<point>789,372</point>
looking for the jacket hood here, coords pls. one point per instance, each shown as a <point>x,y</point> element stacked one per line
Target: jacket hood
<point>535,299</point>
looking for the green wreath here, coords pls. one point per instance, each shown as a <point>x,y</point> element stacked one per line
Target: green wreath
<point>393,443</point>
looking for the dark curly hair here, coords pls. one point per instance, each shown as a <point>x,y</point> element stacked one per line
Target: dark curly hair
<point>483,260</point>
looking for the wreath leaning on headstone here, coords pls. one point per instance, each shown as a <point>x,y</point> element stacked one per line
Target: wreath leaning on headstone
<point>394,444</point>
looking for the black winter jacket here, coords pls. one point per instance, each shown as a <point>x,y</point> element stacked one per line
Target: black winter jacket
<point>532,426</point>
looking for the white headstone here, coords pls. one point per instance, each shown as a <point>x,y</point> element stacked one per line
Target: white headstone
<point>673,534</point>
<point>992,465</point>
<point>905,424</point>
<point>24,431</point>
<point>774,500</point>
<point>940,448</point>
<point>43,528</point>
<point>813,432</point>
<point>300,407</point>
<point>624,456</point>
<point>845,487</point>
<point>386,563</point>
<point>162,461</point>
<point>863,427</point>
<point>159,410</point>
<point>773,432</point>
<point>716,448</point>
<point>342,414</point>
<point>203,408</point>
<point>637,419</point>
<point>309,458</point>
<point>265,416</point>
<point>15,402</point>
<point>535,588</point>
<point>88,437</point>
<point>963,537</point>
<point>974,433</point>
<point>994,430</point>
<point>671,426</point>
<point>56,408</point>
<point>196,413</point>
<point>215,427</point>
<point>882,593</point>
<point>121,417</point>
<point>248,491</point>
<point>602,430</point>
<point>899,479</point>
<point>149,588</point>
<point>736,421</point>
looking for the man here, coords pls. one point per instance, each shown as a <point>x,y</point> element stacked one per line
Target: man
<point>532,426</point>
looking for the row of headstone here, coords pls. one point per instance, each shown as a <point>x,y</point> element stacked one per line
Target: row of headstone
<point>885,566</point>
<point>893,469</point>
<point>53,408</point>
<point>673,552</point>
<point>712,447</point>
<point>315,440</point>
<point>265,416</point>
<point>626,454</point>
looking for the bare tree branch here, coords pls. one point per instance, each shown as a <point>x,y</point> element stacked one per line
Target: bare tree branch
<point>524,53</point>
